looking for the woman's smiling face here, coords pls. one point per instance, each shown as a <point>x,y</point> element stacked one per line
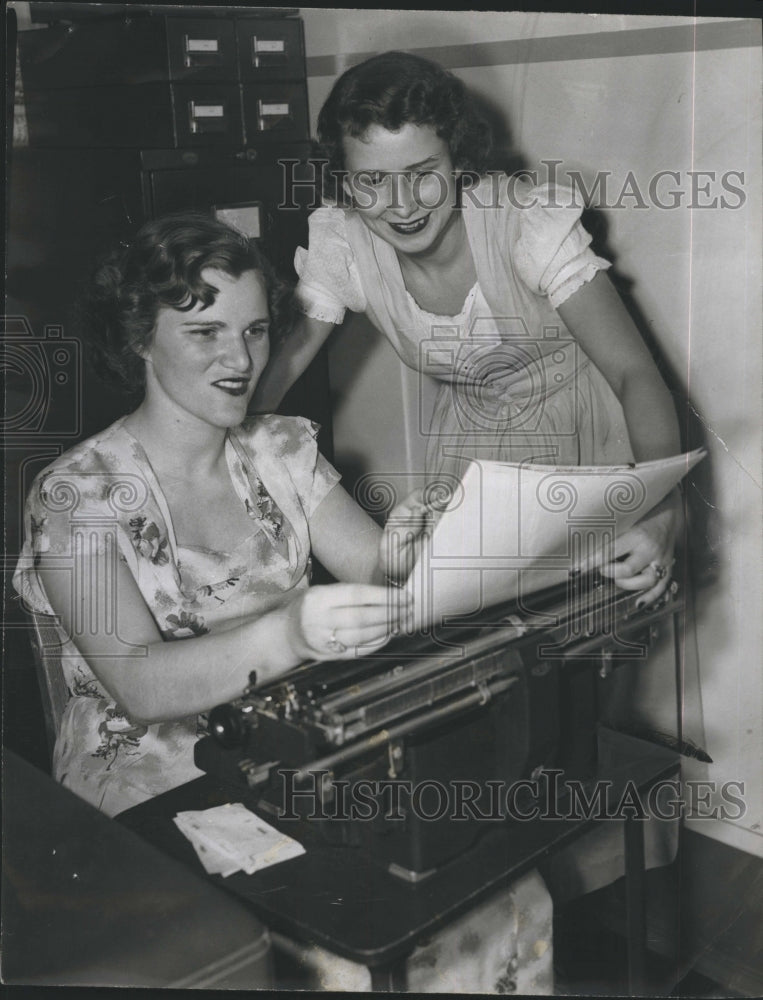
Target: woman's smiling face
<point>205,363</point>
<point>402,185</point>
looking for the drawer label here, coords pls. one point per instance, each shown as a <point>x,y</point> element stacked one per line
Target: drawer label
<point>201,45</point>
<point>268,110</point>
<point>207,110</point>
<point>269,45</point>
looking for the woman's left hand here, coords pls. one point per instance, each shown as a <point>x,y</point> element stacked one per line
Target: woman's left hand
<point>403,534</point>
<point>648,551</point>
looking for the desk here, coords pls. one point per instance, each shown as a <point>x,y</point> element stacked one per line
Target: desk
<point>299,897</point>
<point>86,903</point>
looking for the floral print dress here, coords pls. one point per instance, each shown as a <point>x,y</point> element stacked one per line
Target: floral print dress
<point>102,500</point>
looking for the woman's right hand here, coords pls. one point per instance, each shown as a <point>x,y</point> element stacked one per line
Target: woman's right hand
<point>343,620</point>
<point>407,526</point>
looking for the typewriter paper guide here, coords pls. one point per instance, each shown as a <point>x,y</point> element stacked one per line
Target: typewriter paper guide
<point>511,529</point>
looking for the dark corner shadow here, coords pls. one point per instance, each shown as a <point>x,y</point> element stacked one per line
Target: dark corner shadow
<point>504,156</point>
<point>703,528</point>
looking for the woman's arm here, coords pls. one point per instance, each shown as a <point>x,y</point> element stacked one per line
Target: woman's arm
<point>597,318</point>
<point>600,323</point>
<point>353,547</point>
<point>176,679</point>
<point>287,362</point>
<point>345,539</point>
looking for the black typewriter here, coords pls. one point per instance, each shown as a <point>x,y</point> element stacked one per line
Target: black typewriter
<point>410,753</point>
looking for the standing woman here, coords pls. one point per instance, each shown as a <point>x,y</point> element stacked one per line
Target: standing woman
<point>187,520</point>
<point>484,283</point>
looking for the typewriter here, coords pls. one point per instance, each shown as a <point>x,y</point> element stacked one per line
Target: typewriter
<point>409,753</point>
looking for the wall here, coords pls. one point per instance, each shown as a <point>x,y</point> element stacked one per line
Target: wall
<point>620,94</point>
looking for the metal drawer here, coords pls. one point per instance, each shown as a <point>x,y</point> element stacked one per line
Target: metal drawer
<point>270,50</point>
<point>275,112</point>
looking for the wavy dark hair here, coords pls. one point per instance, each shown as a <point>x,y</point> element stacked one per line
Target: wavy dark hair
<point>395,89</point>
<point>162,266</point>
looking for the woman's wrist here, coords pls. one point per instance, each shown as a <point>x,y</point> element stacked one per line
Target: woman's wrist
<point>276,636</point>
<point>386,572</point>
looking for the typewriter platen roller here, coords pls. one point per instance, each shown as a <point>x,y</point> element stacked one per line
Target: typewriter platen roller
<point>381,750</point>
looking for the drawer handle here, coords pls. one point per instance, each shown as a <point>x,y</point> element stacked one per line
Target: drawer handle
<point>269,47</point>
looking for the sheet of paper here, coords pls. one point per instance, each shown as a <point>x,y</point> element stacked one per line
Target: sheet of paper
<point>513,529</point>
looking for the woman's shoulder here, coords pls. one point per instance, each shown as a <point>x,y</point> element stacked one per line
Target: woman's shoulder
<point>273,430</point>
<point>329,279</point>
<point>100,474</point>
<point>328,224</point>
<point>527,219</point>
<point>519,195</point>
<point>104,453</point>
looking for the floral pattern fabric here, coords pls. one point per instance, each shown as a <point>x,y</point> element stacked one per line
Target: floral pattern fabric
<point>102,498</point>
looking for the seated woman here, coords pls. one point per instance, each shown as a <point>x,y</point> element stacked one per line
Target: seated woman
<point>187,519</point>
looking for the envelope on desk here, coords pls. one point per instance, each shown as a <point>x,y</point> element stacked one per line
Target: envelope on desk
<point>230,838</point>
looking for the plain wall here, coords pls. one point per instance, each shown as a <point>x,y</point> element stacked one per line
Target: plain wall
<point>620,94</point>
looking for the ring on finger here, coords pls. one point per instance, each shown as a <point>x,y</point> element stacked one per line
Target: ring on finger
<point>660,571</point>
<point>334,644</point>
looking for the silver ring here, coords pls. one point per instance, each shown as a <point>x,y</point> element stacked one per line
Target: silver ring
<point>334,644</point>
<point>660,571</point>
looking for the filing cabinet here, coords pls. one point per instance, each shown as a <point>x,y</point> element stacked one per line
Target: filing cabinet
<point>161,80</point>
<point>175,115</point>
<point>150,47</point>
<point>169,115</point>
<point>250,179</point>
<point>129,50</point>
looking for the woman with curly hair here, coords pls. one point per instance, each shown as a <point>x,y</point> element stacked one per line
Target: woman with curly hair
<point>188,520</point>
<point>483,282</point>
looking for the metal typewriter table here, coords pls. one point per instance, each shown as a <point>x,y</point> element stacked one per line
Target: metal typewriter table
<point>299,897</point>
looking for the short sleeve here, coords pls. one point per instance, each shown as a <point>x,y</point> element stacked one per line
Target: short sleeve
<point>551,248</point>
<point>329,282</point>
<point>292,447</point>
<point>319,475</point>
<point>60,504</point>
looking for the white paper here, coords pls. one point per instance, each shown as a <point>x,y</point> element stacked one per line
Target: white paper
<point>512,529</point>
<point>230,838</point>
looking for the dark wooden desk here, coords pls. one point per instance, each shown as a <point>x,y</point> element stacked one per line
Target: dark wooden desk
<point>338,898</point>
<point>86,903</point>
